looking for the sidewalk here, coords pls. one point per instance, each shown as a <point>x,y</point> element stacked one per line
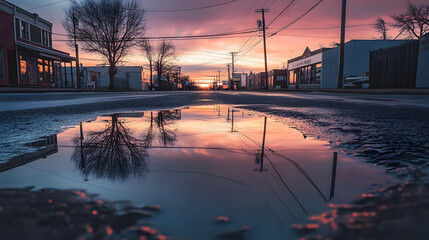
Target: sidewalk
<point>412,91</point>
<point>424,91</point>
<point>39,90</point>
<point>46,90</point>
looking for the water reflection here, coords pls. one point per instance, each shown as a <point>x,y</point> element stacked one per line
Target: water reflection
<point>203,171</point>
<point>116,152</point>
<point>45,146</point>
<point>162,127</point>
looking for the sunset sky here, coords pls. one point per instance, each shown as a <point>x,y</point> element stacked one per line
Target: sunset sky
<point>203,58</point>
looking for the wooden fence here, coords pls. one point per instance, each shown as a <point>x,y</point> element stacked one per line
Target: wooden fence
<point>394,67</point>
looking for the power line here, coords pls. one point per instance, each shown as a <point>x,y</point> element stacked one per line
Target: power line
<point>334,27</point>
<point>297,19</point>
<point>281,13</point>
<point>272,3</point>
<point>191,9</point>
<point>239,32</point>
<point>153,10</point>
<point>305,36</point>
<point>49,4</point>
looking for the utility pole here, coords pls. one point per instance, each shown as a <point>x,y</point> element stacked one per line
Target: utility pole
<point>218,82</point>
<point>231,81</point>
<point>229,78</point>
<point>263,11</point>
<point>76,22</point>
<point>343,34</point>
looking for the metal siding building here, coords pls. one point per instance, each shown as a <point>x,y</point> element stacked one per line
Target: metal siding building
<point>422,79</point>
<point>356,59</point>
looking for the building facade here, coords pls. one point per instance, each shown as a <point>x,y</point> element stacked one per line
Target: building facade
<point>254,81</point>
<point>305,71</point>
<point>422,76</point>
<point>27,57</point>
<point>356,59</point>
<point>277,79</point>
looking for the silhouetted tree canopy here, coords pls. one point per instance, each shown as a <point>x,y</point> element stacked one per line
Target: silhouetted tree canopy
<point>380,26</point>
<point>165,54</point>
<point>149,53</point>
<point>106,27</point>
<point>414,22</point>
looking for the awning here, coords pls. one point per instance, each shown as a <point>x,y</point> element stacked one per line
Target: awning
<point>53,54</point>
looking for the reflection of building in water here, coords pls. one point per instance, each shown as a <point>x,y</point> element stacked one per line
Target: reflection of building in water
<point>127,115</point>
<point>46,146</point>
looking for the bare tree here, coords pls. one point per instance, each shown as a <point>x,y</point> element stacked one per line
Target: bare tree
<point>380,26</point>
<point>415,21</point>
<point>107,27</point>
<point>149,52</point>
<point>165,54</point>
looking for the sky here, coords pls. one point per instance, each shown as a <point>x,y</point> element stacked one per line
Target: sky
<point>203,58</point>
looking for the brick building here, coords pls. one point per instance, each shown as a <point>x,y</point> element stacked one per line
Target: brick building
<point>27,57</point>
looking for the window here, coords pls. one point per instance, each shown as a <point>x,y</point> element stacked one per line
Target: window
<point>318,73</point>
<point>41,73</point>
<point>23,68</point>
<point>281,78</point>
<point>45,70</point>
<point>35,34</point>
<point>2,67</point>
<point>45,38</point>
<point>292,77</point>
<point>17,28</point>
<point>25,31</point>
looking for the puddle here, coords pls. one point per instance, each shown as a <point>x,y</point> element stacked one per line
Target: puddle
<point>202,166</point>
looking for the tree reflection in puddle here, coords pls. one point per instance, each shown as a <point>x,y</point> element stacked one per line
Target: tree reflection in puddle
<point>116,153</point>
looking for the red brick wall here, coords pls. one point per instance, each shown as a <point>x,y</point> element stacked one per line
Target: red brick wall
<point>7,40</point>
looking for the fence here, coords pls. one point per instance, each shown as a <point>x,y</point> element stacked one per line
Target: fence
<point>394,67</point>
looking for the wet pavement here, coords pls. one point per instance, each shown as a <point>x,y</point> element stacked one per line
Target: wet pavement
<point>203,168</point>
<point>199,163</point>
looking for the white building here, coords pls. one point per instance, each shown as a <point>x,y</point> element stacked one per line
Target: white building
<point>126,78</point>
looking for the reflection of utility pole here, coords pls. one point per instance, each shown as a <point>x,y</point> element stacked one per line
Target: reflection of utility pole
<point>263,144</point>
<point>231,81</point>
<point>342,39</point>
<point>82,162</point>
<point>232,120</point>
<point>263,11</point>
<point>75,23</point>
<point>333,176</point>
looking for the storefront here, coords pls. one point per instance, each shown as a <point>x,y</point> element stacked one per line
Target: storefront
<point>306,71</point>
<point>42,67</point>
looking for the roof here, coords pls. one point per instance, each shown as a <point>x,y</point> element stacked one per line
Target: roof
<point>26,12</point>
<point>308,53</point>
<point>49,52</point>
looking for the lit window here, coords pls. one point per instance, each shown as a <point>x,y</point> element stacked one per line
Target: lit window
<point>23,68</point>
<point>25,31</point>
